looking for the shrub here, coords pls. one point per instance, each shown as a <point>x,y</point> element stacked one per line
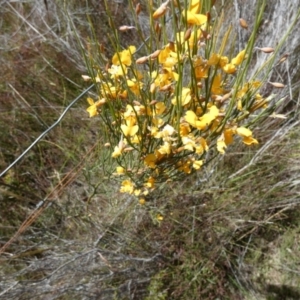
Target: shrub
<point>170,112</point>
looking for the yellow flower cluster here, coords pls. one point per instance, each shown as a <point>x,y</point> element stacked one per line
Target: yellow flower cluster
<point>161,125</point>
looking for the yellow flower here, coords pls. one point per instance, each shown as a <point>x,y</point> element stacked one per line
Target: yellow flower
<point>195,6</point>
<point>117,71</point>
<point>134,86</point>
<point>118,149</point>
<point>201,145</point>
<point>185,97</point>
<point>167,57</point>
<point>229,68</point>
<point>93,108</point>
<point>216,85</point>
<point>130,129</point>
<point>248,87</point>
<point>124,57</point>
<point>223,61</point>
<point>197,164</point>
<point>159,217</point>
<point>136,139</point>
<point>142,201</point>
<point>165,78</point>
<point>165,148</point>
<point>159,156</point>
<point>184,129</point>
<point>221,145</point>
<point>107,89</point>
<point>166,132</point>
<point>260,102</point>
<point>120,170</point>
<point>239,58</point>
<point>153,130</point>
<point>189,142</point>
<point>193,18</point>
<point>164,54</point>
<point>200,68</point>
<point>228,136</point>
<point>239,105</point>
<point>150,160</point>
<point>160,107</point>
<point>185,166</point>
<point>127,187</point>
<point>137,192</point>
<point>150,182</point>
<point>246,134</point>
<point>158,122</point>
<point>129,112</point>
<point>214,59</point>
<point>204,121</point>
<point>117,152</point>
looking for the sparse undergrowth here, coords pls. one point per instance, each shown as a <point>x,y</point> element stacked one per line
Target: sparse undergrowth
<point>232,233</point>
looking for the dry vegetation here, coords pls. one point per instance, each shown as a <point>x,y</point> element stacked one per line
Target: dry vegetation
<point>233,233</point>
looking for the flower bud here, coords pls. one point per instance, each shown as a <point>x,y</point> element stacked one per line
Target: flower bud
<point>266,49</point>
<point>243,23</point>
<point>125,28</point>
<point>161,10</point>
<point>141,60</point>
<point>277,84</point>
<point>138,8</point>
<point>155,54</point>
<point>187,34</point>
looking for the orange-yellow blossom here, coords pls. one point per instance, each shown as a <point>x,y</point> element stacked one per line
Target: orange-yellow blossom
<point>130,129</point>
<point>194,19</point>
<point>120,170</point>
<point>197,164</point>
<point>160,108</point>
<point>185,97</point>
<point>246,134</point>
<point>217,85</point>
<point>201,68</point>
<point>184,129</point>
<point>225,139</point>
<point>166,148</point>
<point>150,182</point>
<point>167,57</point>
<point>119,149</point>
<point>165,133</point>
<point>117,71</point>
<point>195,6</point>
<point>231,67</point>
<point>204,121</point>
<point>150,160</point>
<point>94,106</point>
<point>239,58</point>
<point>135,86</point>
<point>127,187</point>
<point>124,57</point>
<point>185,166</point>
